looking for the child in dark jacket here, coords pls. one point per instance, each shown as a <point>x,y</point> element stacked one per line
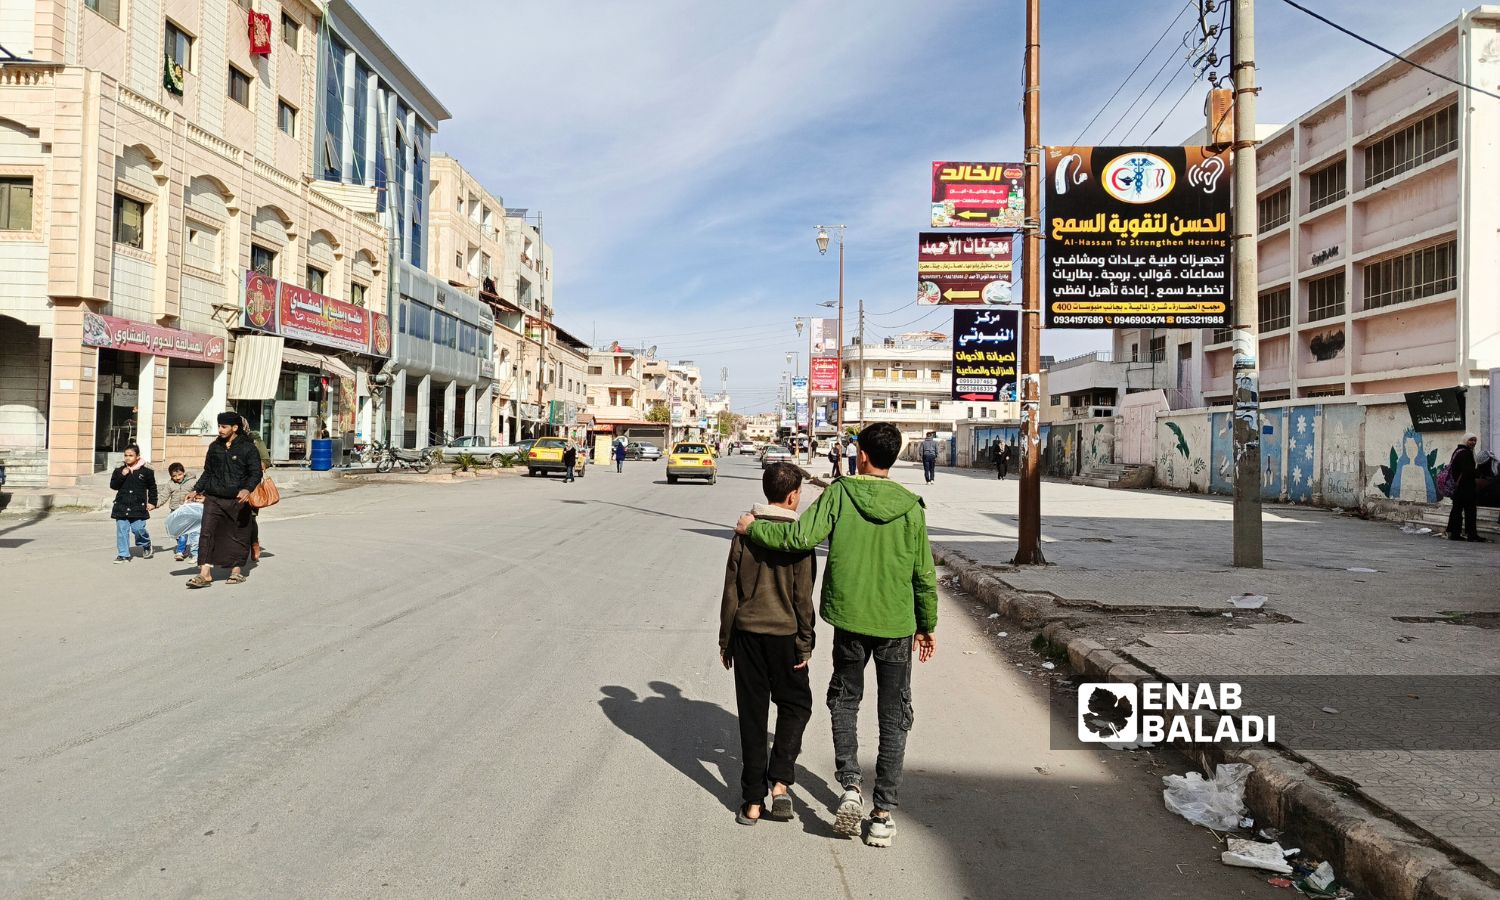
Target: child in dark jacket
<point>766,636</point>
<point>134,485</point>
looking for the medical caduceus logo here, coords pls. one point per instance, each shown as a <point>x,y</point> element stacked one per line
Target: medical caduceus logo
<point>1139,178</point>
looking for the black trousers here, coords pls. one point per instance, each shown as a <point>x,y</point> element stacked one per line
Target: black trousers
<point>1462,521</point>
<point>929,467</point>
<point>763,674</point>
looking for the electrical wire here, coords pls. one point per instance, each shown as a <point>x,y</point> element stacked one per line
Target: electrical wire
<point>1391,53</point>
<point>1154,100</point>
<point>1164,118</point>
<point>916,320</point>
<point>1138,97</point>
<point>909,304</point>
<point>1126,80</point>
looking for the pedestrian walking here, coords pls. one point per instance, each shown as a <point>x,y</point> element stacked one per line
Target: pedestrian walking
<point>766,636</point>
<point>929,450</point>
<point>134,485</point>
<point>265,465</point>
<point>1462,521</point>
<point>570,461</point>
<point>880,595</point>
<point>619,457</point>
<point>1001,456</point>
<point>231,470</point>
<point>176,491</point>
<point>835,458</point>
<point>851,454</point>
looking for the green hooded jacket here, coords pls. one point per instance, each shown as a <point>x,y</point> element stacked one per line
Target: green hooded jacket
<point>879,580</point>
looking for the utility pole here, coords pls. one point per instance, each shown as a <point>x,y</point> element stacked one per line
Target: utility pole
<point>861,367</point>
<point>1248,549</point>
<point>1029,544</point>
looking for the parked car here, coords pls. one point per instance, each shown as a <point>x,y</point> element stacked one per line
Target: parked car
<point>749,449</point>
<point>480,447</point>
<point>546,455</point>
<point>775,453</point>
<point>692,460</point>
<point>642,450</point>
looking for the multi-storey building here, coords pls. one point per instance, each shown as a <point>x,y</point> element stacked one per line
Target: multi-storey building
<point>907,381</point>
<point>616,388</point>
<point>155,161</point>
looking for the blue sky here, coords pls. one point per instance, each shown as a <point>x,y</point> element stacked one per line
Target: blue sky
<point>681,151</point>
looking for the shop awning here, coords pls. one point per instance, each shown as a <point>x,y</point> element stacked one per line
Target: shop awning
<point>257,367</point>
<point>321,361</point>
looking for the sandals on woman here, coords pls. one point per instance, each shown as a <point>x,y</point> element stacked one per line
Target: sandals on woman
<point>236,578</point>
<point>198,581</point>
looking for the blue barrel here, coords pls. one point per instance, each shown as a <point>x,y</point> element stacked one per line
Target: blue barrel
<point>322,454</point>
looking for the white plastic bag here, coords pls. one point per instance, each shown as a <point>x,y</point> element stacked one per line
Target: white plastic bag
<point>1255,855</point>
<point>1219,804</point>
<point>185,519</point>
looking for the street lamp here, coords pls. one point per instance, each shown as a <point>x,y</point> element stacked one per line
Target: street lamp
<point>822,240</point>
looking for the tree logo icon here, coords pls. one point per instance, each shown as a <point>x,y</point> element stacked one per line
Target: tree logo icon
<point>1108,713</point>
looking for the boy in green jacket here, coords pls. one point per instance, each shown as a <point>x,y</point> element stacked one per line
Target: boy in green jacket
<point>880,595</point>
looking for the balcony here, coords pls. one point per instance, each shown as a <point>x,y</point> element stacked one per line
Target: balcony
<point>1088,372</point>
<point>925,385</point>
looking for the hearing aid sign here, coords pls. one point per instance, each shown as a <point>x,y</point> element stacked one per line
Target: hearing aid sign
<point>1137,237</point>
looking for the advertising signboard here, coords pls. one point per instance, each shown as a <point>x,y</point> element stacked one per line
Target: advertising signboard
<point>825,376</point>
<point>986,343</point>
<point>825,337</point>
<point>276,307</point>
<point>1137,236</point>
<point>799,387</point>
<point>978,195</point>
<point>801,413</point>
<point>112,333</point>
<point>1439,410</point>
<point>967,269</point>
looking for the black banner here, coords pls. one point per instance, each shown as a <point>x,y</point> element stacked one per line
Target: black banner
<point>1440,410</point>
<point>985,344</point>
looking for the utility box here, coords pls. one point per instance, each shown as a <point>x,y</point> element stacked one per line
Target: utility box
<point>1220,112</point>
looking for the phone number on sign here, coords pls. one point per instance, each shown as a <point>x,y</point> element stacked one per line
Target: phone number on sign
<point>1157,321</point>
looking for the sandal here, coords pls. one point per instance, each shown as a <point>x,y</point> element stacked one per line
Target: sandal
<point>781,807</point>
<point>198,581</point>
<point>743,816</point>
<point>236,578</point>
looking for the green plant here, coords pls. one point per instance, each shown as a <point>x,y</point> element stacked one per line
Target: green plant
<point>465,462</point>
<point>509,460</point>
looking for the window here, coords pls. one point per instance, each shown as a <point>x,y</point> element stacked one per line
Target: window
<point>877,404</point>
<point>239,87</point>
<point>1135,352</point>
<point>971,412</point>
<point>877,373</point>
<point>286,117</point>
<point>178,46</point>
<point>1221,335</point>
<point>357,293</point>
<point>933,405</point>
<point>15,204</point>
<point>316,279</point>
<point>1417,143</point>
<point>263,260</point>
<point>908,374</point>
<point>1325,297</point>
<point>1325,186</point>
<point>130,222</point>
<point>484,264</point>
<point>421,321</point>
<point>1274,209</point>
<point>291,32</point>
<point>1159,349</point>
<point>909,405</point>
<point>937,374</point>
<point>596,370</point>
<point>109,9</point>
<point>1275,309</point>
<point>401,308</point>
<point>1412,276</point>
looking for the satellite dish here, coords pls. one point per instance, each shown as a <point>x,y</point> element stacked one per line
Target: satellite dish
<point>652,351</point>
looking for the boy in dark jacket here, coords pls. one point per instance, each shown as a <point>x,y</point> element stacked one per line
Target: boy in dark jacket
<point>880,595</point>
<point>766,626</point>
<point>134,485</point>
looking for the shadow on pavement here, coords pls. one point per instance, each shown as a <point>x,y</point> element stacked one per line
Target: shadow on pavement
<point>28,522</point>
<point>657,512</point>
<point>725,533</point>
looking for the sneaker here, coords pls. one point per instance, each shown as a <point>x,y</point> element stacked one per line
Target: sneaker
<point>851,810</point>
<point>147,552</point>
<point>881,831</point>
<point>121,559</point>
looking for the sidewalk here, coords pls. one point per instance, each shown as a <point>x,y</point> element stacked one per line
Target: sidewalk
<point>92,497</point>
<point>1144,577</point>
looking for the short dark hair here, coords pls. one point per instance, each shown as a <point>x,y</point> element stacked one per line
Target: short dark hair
<point>135,447</point>
<point>779,480</point>
<point>176,467</point>
<point>881,442</point>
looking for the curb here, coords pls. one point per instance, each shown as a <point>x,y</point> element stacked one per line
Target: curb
<point>1378,857</point>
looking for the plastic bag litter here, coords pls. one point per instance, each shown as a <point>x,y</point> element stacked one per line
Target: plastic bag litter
<point>1413,529</point>
<point>1250,854</point>
<point>1218,804</point>
<point>185,519</point>
<point>1248,601</point>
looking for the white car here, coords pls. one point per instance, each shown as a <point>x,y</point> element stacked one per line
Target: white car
<point>775,454</point>
<point>480,447</point>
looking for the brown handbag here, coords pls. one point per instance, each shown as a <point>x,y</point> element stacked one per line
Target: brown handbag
<point>265,494</point>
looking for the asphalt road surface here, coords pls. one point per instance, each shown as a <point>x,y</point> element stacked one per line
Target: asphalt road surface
<point>506,688</point>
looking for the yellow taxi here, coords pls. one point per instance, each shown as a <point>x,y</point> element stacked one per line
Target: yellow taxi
<point>691,460</point>
<point>546,455</point>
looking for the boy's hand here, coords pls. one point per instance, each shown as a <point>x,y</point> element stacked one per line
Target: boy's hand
<point>727,660</point>
<point>743,525</point>
<point>801,665</point>
<point>926,645</point>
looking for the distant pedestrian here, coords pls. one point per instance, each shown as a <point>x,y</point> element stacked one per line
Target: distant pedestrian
<point>851,454</point>
<point>766,636</point>
<point>929,450</point>
<point>176,492</point>
<point>835,458</point>
<point>1462,524</point>
<point>134,485</point>
<point>1001,459</point>
<point>619,456</point>
<point>570,462</point>
<point>231,470</point>
<point>880,595</point>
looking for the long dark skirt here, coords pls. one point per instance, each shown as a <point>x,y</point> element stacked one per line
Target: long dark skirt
<point>226,535</point>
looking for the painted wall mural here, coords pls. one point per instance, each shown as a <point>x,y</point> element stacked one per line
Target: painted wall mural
<point>1301,452</point>
<point>1221,474</point>
<point>1411,471</point>
<point>1343,438</point>
<point>1182,450</point>
<point>1272,435</point>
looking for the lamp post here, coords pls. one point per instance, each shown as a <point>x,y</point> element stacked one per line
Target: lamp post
<point>823,239</point>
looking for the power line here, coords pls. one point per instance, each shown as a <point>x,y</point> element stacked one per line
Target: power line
<point>1138,98</point>
<point>1164,118</point>
<point>1126,80</point>
<point>1391,53</point>
<point>916,320</point>
<point>1154,100</point>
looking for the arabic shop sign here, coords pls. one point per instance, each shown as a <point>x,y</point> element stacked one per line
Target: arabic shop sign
<point>985,348</point>
<point>1137,236</point>
<point>112,333</point>
<point>977,195</point>
<point>1440,410</point>
<point>966,269</point>
<point>276,307</point>
<point>825,376</point>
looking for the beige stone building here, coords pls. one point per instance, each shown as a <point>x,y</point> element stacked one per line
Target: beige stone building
<point>150,161</point>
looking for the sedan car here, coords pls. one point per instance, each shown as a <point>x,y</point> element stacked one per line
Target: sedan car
<point>775,454</point>
<point>546,455</point>
<point>642,450</point>
<point>749,449</point>
<point>692,460</point>
<point>481,448</point>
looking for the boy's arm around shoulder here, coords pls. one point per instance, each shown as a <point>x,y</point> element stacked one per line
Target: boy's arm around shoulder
<point>924,574</point>
<point>729,603</point>
<point>802,604</point>
<point>807,532</point>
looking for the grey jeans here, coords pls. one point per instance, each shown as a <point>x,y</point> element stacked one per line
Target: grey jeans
<point>851,653</point>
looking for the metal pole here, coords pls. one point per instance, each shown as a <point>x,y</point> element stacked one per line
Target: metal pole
<point>1029,543</point>
<point>840,411</point>
<point>1248,548</point>
<point>810,417</point>
<point>861,364</point>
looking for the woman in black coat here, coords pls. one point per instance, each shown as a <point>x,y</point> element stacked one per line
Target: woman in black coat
<point>134,485</point>
<point>1462,470</point>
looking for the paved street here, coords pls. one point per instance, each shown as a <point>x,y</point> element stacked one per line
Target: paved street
<point>504,688</point>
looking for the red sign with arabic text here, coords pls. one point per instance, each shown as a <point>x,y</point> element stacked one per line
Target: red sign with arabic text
<point>825,376</point>
<point>113,333</point>
<point>323,320</point>
<point>978,195</point>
